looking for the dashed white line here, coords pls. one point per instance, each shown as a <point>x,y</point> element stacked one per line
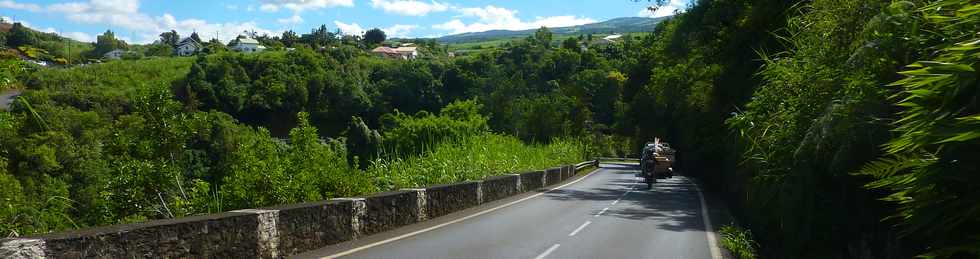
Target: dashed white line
<point>600,212</point>
<point>547,252</point>
<point>364,247</point>
<point>580,228</point>
<point>616,201</point>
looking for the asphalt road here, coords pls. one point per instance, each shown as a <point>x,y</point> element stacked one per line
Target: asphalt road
<point>608,214</point>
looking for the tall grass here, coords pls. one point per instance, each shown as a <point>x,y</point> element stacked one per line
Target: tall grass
<point>472,158</point>
<point>739,241</point>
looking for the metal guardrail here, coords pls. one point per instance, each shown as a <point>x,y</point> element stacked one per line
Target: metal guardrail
<point>585,164</point>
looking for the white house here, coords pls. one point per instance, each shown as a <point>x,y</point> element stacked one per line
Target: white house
<point>408,52</point>
<point>247,45</point>
<point>114,54</point>
<point>188,46</point>
<point>400,52</point>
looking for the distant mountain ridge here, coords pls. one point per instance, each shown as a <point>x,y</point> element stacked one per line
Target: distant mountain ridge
<point>617,25</point>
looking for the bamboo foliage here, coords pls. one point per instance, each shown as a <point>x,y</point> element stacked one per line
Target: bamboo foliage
<point>931,165</point>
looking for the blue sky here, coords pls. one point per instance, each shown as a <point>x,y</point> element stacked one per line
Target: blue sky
<point>140,21</point>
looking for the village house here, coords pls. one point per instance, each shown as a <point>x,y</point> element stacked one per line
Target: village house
<point>247,45</point>
<point>406,53</point>
<point>188,46</point>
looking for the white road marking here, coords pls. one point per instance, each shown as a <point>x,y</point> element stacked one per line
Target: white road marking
<point>580,228</point>
<point>616,201</point>
<point>709,231</point>
<point>546,252</point>
<point>393,239</point>
<point>600,212</point>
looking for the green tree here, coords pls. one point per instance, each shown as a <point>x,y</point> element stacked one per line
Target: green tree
<point>289,38</point>
<point>159,50</point>
<point>374,37</point>
<point>170,38</point>
<point>571,43</point>
<point>543,36</point>
<point>107,42</point>
<point>20,36</point>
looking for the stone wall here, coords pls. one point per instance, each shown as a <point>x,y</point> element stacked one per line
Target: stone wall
<point>499,187</point>
<point>390,210</point>
<point>552,176</point>
<point>222,235</point>
<point>308,226</point>
<point>532,180</point>
<point>280,231</point>
<point>444,199</point>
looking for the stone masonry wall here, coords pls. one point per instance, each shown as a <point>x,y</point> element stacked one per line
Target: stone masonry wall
<point>448,198</point>
<point>552,176</point>
<point>277,232</point>
<point>499,187</point>
<point>308,226</point>
<point>390,210</point>
<point>532,180</point>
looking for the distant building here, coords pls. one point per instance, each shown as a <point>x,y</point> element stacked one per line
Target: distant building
<point>399,53</point>
<point>408,52</point>
<point>611,39</point>
<point>188,46</point>
<point>247,45</point>
<point>114,54</point>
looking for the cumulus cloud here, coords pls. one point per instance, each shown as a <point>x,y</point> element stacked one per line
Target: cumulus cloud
<point>19,6</point>
<point>295,19</point>
<point>399,30</point>
<point>498,18</point>
<point>302,5</point>
<point>409,7</point>
<point>80,36</point>
<point>125,14</point>
<point>349,29</point>
<point>674,6</point>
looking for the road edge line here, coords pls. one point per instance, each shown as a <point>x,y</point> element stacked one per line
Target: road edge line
<point>403,236</point>
<point>709,230</point>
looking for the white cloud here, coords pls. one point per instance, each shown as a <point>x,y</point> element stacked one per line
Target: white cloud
<point>269,8</point>
<point>9,4</point>
<point>302,5</point>
<point>349,29</point>
<point>295,19</point>
<point>674,6</point>
<point>232,7</point>
<point>125,14</point>
<point>409,7</point>
<point>80,36</point>
<point>498,18</point>
<point>399,30</point>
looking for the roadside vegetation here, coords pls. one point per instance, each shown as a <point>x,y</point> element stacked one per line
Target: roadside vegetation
<point>738,241</point>
<point>834,128</point>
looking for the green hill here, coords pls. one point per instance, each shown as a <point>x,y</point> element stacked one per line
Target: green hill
<point>617,25</point>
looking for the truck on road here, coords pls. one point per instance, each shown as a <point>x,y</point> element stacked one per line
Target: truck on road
<point>656,161</point>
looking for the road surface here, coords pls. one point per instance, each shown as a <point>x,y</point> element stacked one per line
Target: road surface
<point>607,214</point>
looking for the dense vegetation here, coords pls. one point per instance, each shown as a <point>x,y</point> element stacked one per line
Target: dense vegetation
<point>825,123</point>
<point>787,128</point>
